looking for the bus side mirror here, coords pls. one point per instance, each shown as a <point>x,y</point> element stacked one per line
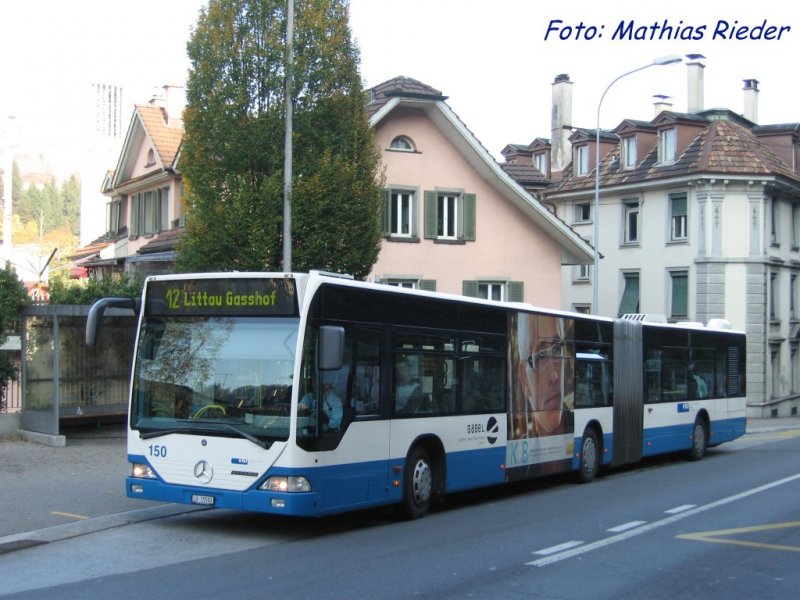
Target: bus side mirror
<point>331,348</point>
<point>96,315</point>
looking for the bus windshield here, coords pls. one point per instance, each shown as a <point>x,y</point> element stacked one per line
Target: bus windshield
<point>230,376</point>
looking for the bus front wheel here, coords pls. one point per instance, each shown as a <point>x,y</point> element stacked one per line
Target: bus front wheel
<point>590,457</point>
<point>699,440</point>
<point>417,484</point>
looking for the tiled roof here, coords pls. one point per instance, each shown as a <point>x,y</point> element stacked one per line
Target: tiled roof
<point>163,242</point>
<point>401,86</point>
<point>166,139</point>
<point>723,147</point>
<point>525,175</point>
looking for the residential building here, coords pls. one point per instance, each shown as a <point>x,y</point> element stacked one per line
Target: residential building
<point>453,219</point>
<point>144,215</point>
<point>699,219</point>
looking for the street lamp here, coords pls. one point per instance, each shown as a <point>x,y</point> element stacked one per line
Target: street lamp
<point>664,60</point>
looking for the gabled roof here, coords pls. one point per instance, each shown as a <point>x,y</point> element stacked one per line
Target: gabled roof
<point>149,127</point>
<point>721,147</point>
<point>409,93</point>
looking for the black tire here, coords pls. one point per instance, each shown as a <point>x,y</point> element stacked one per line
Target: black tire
<point>699,440</point>
<point>590,457</point>
<point>417,484</point>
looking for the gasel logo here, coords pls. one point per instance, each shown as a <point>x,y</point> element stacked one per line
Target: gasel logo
<point>492,429</point>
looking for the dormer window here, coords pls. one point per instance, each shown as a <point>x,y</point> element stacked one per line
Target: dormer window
<point>666,146</point>
<point>402,144</point>
<point>629,152</point>
<point>540,162</point>
<point>581,159</point>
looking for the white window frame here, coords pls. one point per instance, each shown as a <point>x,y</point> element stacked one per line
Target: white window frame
<point>579,209</point>
<point>678,223</point>
<point>631,208</point>
<point>486,290</point>
<point>582,160</point>
<point>402,143</point>
<point>447,226</point>
<point>409,284</point>
<point>629,154</point>
<point>667,146</point>
<point>540,162</point>
<point>402,203</point>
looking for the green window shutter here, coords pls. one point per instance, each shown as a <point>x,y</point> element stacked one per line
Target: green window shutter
<point>386,212</point>
<point>630,296</point>
<point>468,232</point>
<point>429,285</point>
<point>516,291</point>
<point>680,294</point>
<point>470,289</point>
<point>678,205</point>
<point>430,215</point>
<point>134,228</point>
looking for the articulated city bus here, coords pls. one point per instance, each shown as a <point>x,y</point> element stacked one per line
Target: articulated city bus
<point>312,394</point>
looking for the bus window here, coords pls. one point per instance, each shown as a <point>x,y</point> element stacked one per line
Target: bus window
<point>408,396</point>
<point>674,375</point>
<point>483,384</point>
<point>592,382</point>
<point>701,374</point>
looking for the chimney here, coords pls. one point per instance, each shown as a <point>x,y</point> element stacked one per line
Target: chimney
<point>175,102</point>
<point>751,100</point>
<point>561,123</point>
<point>695,69</point>
<point>661,104</point>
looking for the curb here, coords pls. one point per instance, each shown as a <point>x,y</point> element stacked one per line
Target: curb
<point>29,539</point>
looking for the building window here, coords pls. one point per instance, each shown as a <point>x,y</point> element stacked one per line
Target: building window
<point>540,162</point>
<point>774,356</point>
<point>774,221</point>
<point>450,216</point>
<point>793,297</point>
<point>581,160</point>
<point>795,227</point>
<point>629,152</point>
<point>113,214</point>
<point>666,146</point>
<point>679,295</point>
<point>631,221</point>
<point>583,273</point>
<point>583,212</point>
<point>583,309</point>
<point>151,158</point>
<point>402,144</point>
<point>793,369</point>
<point>678,217</point>
<point>402,214</point>
<point>773,297</point>
<point>502,291</point>
<point>150,212</point>
<point>629,304</point>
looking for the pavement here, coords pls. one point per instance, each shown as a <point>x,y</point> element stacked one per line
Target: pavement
<point>52,493</point>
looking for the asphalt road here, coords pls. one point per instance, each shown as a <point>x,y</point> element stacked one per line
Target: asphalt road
<point>726,527</point>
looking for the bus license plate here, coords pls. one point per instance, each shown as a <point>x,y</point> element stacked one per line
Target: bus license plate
<point>204,500</point>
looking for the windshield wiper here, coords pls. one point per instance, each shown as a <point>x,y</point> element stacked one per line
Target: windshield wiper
<point>146,435</point>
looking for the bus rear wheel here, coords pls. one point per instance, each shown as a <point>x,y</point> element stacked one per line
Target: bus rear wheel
<point>699,440</point>
<point>590,457</point>
<point>417,484</point>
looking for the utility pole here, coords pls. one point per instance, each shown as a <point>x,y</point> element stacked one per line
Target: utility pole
<point>287,148</point>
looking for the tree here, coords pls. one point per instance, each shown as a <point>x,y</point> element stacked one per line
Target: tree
<point>12,298</point>
<point>233,149</point>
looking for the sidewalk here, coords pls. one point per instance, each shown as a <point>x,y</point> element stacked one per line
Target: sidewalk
<point>50,493</point>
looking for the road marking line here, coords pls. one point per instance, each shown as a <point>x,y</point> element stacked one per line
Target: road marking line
<point>679,509</point>
<point>712,536</point>
<point>559,548</point>
<point>657,524</point>
<point>63,514</point>
<point>626,526</point>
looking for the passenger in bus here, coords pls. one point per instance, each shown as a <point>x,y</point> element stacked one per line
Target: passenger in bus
<point>332,408</point>
<point>408,392</point>
<point>700,385</point>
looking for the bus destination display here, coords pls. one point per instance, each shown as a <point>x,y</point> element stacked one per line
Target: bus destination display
<point>276,297</point>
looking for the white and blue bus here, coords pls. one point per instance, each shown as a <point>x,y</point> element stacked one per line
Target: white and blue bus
<point>312,394</point>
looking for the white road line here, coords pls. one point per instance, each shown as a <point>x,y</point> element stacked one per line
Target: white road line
<point>559,548</point>
<point>679,509</point>
<point>626,526</point>
<point>657,524</point>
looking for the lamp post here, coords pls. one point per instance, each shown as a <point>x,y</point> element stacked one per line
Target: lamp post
<point>664,60</point>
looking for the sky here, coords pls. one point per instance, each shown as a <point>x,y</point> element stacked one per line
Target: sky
<point>495,61</point>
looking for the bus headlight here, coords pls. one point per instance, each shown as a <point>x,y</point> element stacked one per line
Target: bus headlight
<point>286,484</point>
<point>141,471</point>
